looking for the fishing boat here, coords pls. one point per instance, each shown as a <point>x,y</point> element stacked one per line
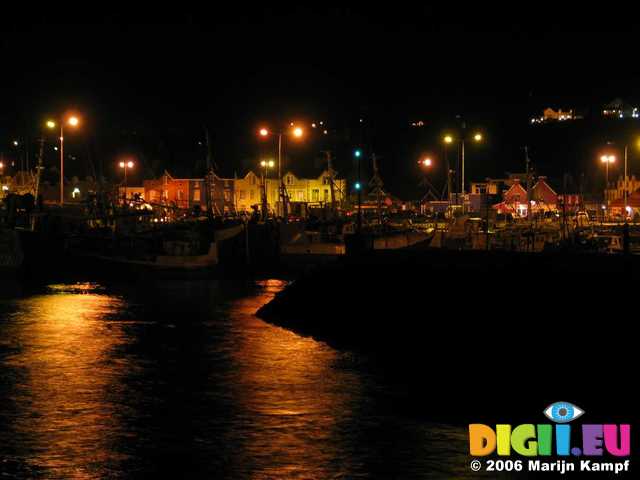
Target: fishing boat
<point>189,248</point>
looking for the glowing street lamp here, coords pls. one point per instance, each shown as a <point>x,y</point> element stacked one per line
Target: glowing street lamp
<point>74,122</point>
<point>606,160</point>
<point>295,132</point>
<point>426,162</point>
<point>266,165</point>
<point>126,165</point>
<point>448,139</point>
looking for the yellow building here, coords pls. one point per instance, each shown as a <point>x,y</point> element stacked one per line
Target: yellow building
<point>247,192</point>
<point>314,192</point>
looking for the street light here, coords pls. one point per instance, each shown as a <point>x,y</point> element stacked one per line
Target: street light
<point>606,160</point>
<point>266,165</point>
<point>74,122</point>
<point>448,139</point>
<point>295,132</point>
<point>126,166</point>
<point>426,163</point>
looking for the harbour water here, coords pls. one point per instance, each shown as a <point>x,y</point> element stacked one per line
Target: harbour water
<point>182,380</point>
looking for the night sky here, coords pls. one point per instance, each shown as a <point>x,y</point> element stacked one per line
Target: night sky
<point>147,83</point>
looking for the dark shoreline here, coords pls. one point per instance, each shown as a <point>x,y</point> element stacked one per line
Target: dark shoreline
<point>551,325</point>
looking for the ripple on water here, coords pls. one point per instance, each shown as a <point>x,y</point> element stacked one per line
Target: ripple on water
<point>185,381</point>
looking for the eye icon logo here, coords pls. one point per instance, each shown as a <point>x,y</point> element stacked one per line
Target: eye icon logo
<point>563,412</point>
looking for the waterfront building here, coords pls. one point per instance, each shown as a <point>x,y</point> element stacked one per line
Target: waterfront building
<point>633,205</point>
<point>543,197</point>
<point>303,193</point>
<point>514,201</point>
<point>189,193</point>
<point>615,189</point>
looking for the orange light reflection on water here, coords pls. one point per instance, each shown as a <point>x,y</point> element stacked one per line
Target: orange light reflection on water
<point>64,352</point>
<point>291,399</point>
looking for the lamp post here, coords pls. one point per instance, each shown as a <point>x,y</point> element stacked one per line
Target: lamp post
<point>295,132</point>
<point>125,166</point>
<point>72,121</point>
<point>606,160</point>
<point>448,139</point>
<point>426,164</point>
<point>265,164</point>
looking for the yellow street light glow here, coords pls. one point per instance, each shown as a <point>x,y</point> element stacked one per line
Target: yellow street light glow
<point>297,132</point>
<point>51,124</point>
<point>263,163</point>
<point>264,132</point>
<point>129,164</point>
<point>15,143</point>
<point>271,163</point>
<point>73,121</point>
<point>607,158</point>
<point>121,164</point>
<point>448,139</point>
<point>477,137</point>
<point>426,162</point>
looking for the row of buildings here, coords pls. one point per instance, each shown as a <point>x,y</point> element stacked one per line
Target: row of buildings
<point>243,194</point>
<point>510,196</point>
